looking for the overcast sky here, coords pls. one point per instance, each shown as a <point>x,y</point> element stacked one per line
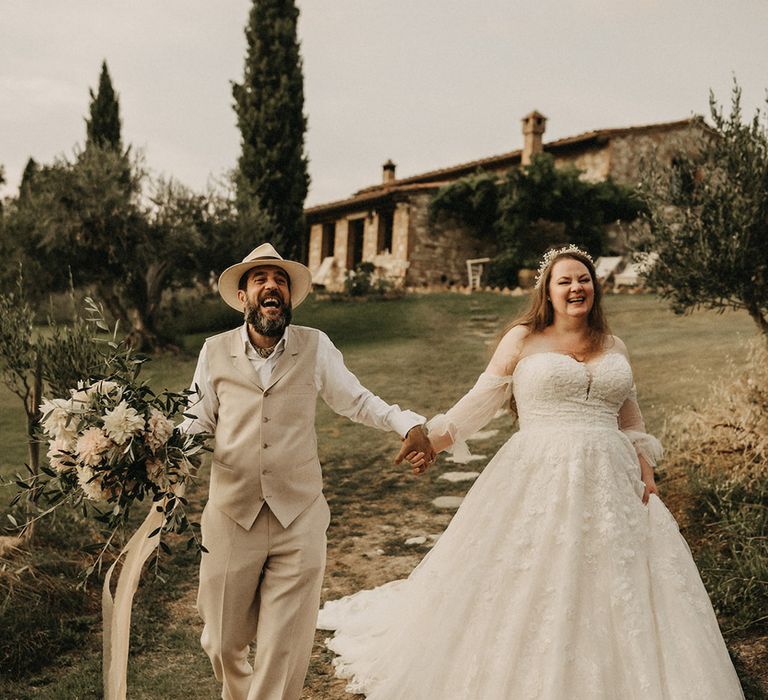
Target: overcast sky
<point>428,83</point>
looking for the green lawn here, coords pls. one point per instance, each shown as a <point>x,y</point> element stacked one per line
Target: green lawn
<point>422,352</point>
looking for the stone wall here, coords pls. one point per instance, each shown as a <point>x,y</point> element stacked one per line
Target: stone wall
<point>371,236</point>
<point>594,163</point>
<point>315,247</point>
<point>630,152</point>
<point>438,255</point>
<point>391,265</point>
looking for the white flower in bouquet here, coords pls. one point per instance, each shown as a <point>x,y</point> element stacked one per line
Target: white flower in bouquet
<point>103,386</point>
<point>90,483</point>
<point>159,429</point>
<point>82,396</point>
<point>59,419</point>
<point>56,458</point>
<point>91,446</point>
<point>122,422</point>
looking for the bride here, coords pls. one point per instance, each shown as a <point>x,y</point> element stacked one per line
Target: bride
<point>562,576</point>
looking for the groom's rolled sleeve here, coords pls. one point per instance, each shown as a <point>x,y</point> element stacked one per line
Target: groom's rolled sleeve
<point>344,393</point>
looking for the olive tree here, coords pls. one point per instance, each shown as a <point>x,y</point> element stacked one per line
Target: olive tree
<point>33,361</point>
<point>708,218</point>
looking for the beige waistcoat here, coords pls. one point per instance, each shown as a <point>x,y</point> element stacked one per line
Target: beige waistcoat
<point>266,448</point>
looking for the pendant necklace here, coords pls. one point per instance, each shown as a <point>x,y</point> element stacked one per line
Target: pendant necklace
<point>264,352</point>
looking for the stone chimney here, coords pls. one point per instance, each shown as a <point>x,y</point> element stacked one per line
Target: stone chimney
<point>534,125</point>
<point>388,172</point>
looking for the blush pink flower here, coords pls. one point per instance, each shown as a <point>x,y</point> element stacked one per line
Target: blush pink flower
<point>90,483</point>
<point>159,429</point>
<point>56,454</point>
<point>92,445</point>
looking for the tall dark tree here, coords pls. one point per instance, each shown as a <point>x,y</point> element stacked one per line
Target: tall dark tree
<point>30,171</point>
<point>103,127</point>
<point>272,169</point>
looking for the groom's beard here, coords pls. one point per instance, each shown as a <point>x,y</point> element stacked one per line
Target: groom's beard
<point>269,327</point>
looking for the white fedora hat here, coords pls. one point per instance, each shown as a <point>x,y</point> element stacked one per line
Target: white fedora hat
<point>265,254</point>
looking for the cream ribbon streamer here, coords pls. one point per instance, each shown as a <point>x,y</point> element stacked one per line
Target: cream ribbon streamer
<point>116,612</point>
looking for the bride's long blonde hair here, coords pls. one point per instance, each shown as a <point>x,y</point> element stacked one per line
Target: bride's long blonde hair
<point>540,313</point>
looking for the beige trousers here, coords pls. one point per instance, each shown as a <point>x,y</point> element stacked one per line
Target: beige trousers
<point>261,584</point>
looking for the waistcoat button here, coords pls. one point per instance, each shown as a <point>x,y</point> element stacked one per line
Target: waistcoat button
<point>266,393</point>
<point>265,445</point>
<point>266,420</point>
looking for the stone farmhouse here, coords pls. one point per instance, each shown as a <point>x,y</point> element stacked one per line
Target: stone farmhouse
<point>388,224</point>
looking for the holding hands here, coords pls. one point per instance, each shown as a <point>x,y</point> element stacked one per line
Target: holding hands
<point>417,450</point>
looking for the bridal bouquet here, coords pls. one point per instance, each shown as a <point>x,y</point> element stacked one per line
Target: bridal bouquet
<point>113,442</point>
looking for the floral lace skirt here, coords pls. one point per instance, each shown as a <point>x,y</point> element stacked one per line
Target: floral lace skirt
<point>553,581</point>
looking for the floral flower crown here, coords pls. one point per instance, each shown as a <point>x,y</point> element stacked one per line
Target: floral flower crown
<point>550,255</point>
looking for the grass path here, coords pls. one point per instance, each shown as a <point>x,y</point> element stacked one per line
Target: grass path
<point>423,353</point>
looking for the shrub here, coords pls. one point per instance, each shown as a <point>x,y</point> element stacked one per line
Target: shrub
<point>723,447</point>
<point>192,311</point>
<point>43,613</point>
<point>363,282</point>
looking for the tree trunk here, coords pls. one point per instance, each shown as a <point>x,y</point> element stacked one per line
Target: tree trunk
<point>758,318</point>
<point>33,446</point>
<point>106,294</point>
<point>139,330</point>
<point>142,336</point>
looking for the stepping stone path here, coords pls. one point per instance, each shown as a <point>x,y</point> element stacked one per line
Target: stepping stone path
<point>459,476</point>
<point>429,540</point>
<point>483,325</point>
<point>465,460</point>
<point>416,540</point>
<point>448,502</point>
<point>483,435</point>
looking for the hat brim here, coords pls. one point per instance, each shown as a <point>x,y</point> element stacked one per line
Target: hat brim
<point>300,276</point>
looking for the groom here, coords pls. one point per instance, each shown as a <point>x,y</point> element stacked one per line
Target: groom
<point>265,521</point>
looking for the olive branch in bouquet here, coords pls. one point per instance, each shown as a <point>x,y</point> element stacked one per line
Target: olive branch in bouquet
<point>113,443</point>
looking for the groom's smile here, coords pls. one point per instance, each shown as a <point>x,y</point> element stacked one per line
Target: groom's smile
<point>272,303</point>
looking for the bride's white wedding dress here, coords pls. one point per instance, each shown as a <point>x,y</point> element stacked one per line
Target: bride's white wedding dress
<point>553,581</point>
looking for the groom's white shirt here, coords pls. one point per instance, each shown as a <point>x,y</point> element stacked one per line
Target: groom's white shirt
<point>337,386</point>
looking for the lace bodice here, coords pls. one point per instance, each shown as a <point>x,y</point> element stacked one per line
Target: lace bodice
<point>551,391</point>
<point>552,388</point>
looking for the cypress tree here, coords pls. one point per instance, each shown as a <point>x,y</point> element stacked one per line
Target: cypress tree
<point>272,168</point>
<point>103,128</point>
<point>30,171</point>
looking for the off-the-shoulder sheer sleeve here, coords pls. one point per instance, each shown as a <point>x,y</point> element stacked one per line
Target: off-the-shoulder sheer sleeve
<point>632,425</point>
<point>490,395</point>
